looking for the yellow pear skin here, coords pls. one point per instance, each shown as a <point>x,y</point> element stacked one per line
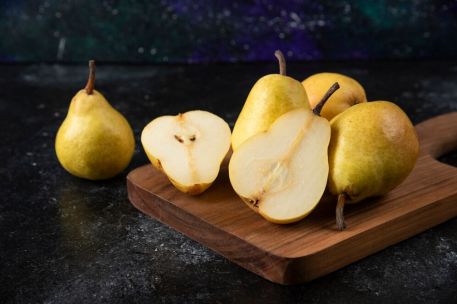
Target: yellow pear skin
<point>373,148</point>
<point>350,93</point>
<point>282,173</point>
<point>270,97</point>
<point>95,141</point>
<point>188,148</point>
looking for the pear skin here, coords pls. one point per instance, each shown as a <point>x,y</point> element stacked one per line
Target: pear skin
<point>191,190</point>
<point>373,148</point>
<point>94,141</point>
<point>271,96</point>
<point>350,93</point>
<point>282,173</point>
<point>188,148</point>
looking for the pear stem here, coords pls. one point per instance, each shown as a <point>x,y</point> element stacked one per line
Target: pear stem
<point>282,62</point>
<point>318,108</point>
<point>340,224</point>
<point>91,80</point>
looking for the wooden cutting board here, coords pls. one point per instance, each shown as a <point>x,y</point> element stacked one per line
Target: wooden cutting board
<point>296,253</point>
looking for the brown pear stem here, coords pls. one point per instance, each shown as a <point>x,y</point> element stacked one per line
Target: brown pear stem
<point>282,62</point>
<point>318,108</point>
<point>91,80</point>
<point>340,224</point>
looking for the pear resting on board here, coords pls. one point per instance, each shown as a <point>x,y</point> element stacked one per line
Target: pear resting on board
<point>282,173</point>
<point>270,97</point>
<point>373,148</point>
<point>350,93</point>
<point>189,148</point>
<point>95,141</point>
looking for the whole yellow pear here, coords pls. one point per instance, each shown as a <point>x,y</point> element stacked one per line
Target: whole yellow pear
<point>350,93</point>
<point>373,148</point>
<point>271,96</point>
<point>95,141</point>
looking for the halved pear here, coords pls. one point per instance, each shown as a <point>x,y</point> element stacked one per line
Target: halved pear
<point>188,148</point>
<point>282,173</point>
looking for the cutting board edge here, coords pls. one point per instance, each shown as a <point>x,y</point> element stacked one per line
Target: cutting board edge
<point>301,268</point>
<point>285,270</point>
<point>373,246</point>
<point>276,265</point>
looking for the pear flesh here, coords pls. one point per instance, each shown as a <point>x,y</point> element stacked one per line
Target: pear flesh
<point>373,148</point>
<point>188,148</point>
<point>270,97</point>
<point>282,173</point>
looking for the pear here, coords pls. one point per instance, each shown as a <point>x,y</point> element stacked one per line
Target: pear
<point>350,93</point>
<point>94,141</point>
<point>282,173</point>
<point>270,97</point>
<point>373,148</point>
<point>188,148</point>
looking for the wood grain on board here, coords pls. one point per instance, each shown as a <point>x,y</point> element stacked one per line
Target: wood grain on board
<point>296,253</point>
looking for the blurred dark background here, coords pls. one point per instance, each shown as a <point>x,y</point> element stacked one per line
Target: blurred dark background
<point>225,31</point>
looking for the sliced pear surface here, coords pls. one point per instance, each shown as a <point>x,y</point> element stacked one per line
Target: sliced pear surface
<point>188,148</point>
<point>282,173</point>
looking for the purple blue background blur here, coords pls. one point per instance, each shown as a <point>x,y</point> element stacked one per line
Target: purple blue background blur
<point>225,31</point>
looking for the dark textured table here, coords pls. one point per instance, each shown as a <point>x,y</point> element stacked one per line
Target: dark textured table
<point>67,240</point>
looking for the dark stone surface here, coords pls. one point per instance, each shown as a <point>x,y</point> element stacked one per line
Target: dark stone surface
<point>67,240</point>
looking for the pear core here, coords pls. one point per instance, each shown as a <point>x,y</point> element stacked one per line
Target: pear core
<point>188,148</point>
<point>282,173</point>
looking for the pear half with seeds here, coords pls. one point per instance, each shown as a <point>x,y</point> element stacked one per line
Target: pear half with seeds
<point>282,173</point>
<point>188,148</point>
